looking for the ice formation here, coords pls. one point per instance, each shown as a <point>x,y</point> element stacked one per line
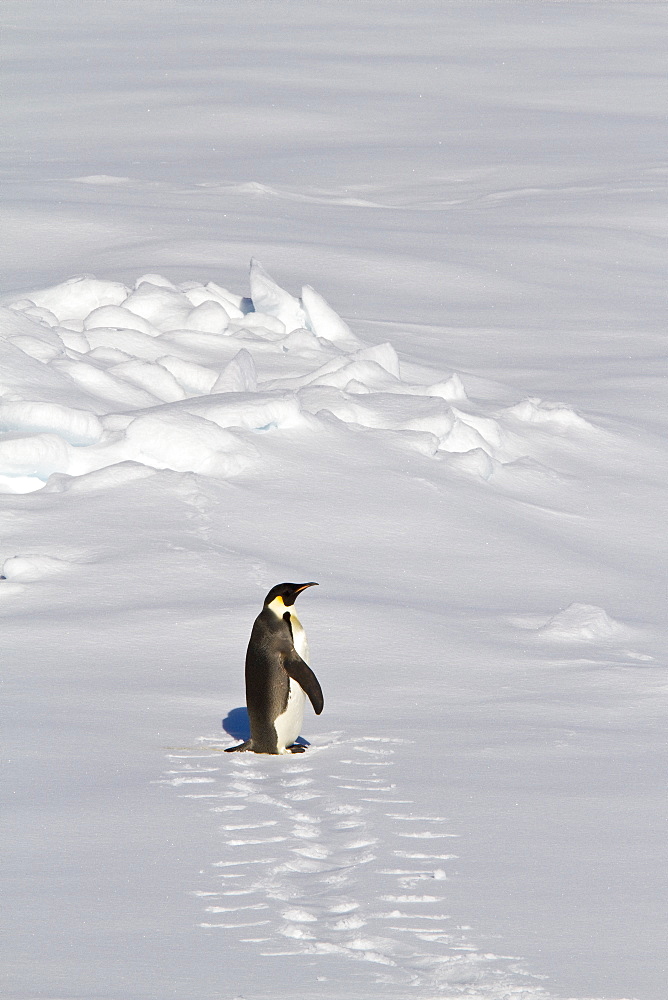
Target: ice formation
<point>190,377</point>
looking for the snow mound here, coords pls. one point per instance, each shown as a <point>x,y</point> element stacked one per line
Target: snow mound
<point>107,478</point>
<point>79,427</point>
<point>166,308</point>
<point>186,377</point>
<point>584,623</point>
<point>552,415</point>
<point>29,568</point>
<point>36,455</point>
<point>78,297</point>
<point>186,443</point>
<point>118,317</point>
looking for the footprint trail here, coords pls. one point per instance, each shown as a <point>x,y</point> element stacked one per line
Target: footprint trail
<point>327,856</point>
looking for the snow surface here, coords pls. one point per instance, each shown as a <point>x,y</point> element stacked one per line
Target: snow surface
<point>472,465</point>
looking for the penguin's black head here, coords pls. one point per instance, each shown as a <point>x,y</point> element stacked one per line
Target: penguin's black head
<point>287,592</point>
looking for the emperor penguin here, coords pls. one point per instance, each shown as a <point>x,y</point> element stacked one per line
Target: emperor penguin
<point>278,678</point>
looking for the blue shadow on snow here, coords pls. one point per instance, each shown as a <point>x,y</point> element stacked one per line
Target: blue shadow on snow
<point>237,724</point>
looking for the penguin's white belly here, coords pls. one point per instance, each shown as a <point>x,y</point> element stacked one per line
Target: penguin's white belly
<point>289,724</point>
<point>299,637</point>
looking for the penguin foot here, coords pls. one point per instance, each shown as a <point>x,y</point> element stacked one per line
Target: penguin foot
<point>240,746</point>
<point>296,748</point>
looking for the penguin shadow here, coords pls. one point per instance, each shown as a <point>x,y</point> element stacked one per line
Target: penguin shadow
<point>237,725</point>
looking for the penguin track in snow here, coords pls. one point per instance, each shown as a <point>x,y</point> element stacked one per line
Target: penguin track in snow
<point>319,860</point>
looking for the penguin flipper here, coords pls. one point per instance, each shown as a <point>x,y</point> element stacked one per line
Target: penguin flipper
<point>240,746</point>
<point>300,671</point>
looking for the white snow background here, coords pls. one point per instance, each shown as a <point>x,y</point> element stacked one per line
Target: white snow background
<point>472,466</point>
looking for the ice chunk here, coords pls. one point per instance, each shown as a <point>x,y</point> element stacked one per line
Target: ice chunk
<point>23,377</point>
<point>33,455</point>
<point>196,380</point>
<point>40,350</point>
<point>238,376</point>
<point>75,325</point>
<point>452,389</point>
<point>119,317</point>
<point>78,297</point>
<point>302,341</point>
<point>366,374</point>
<point>165,307</point>
<point>42,315</point>
<point>487,427</point>
<point>156,379</point>
<point>104,385</point>
<point>156,279</point>
<point>259,321</point>
<point>325,323</point>
<point>197,294</point>
<point>73,340</point>
<point>195,345</point>
<point>34,338</point>
<point>553,416</point>
<point>383,354</point>
<point>132,342</point>
<point>463,437</point>
<point>270,298</point>
<point>183,442</point>
<point>209,317</point>
<point>388,411</point>
<point>266,328</point>
<point>358,388</point>
<point>78,427</point>
<point>475,462</point>
<point>237,301</point>
<point>19,305</point>
<point>259,411</point>
<point>107,357</point>
<point>423,442</point>
<point>369,367</point>
<point>100,479</point>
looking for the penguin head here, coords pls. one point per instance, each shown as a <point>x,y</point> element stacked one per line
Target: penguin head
<point>286,593</point>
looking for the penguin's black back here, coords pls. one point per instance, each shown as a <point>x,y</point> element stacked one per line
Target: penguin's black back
<point>267,682</point>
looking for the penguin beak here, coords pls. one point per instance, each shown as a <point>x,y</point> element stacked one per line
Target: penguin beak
<point>303,586</point>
